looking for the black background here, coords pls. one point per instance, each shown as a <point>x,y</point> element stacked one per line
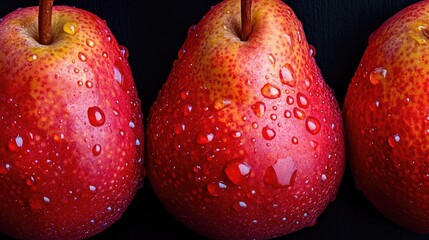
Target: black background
<point>154,31</point>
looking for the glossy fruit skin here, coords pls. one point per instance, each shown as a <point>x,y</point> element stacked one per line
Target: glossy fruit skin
<point>71,127</point>
<point>234,153</point>
<point>387,120</point>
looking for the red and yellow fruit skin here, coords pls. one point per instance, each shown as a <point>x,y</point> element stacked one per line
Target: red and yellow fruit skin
<point>71,127</point>
<point>229,162</point>
<point>387,119</point>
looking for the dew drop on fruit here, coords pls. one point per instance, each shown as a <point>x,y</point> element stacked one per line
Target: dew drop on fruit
<point>216,188</point>
<point>268,133</point>
<point>32,57</point>
<point>96,149</point>
<point>179,128</point>
<point>323,177</point>
<point>282,173</point>
<point>92,188</point>
<point>258,109</point>
<point>377,75</point>
<point>239,206</point>
<point>272,59</point>
<point>124,51</point>
<point>235,134</point>
<point>90,43</point>
<point>204,138</point>
<point>302,100</point>
<point>312,125</point>
<point>15,144</point>
<point>221,103</point>
<point>290,100</point>
<point>46,200</point>
<point>270,91</point>
<point>96,116</point>
<point>117,75</point>
<point>255,125</point>
<point>89,84</point>
<point>294,140</point>
<point>393,140</point>
<point>312,50</point>
<point>287,75</point>
<point>82,56</point>
<point>237,172</point>
<point>299,114</point>
<point>187,109</point>
<point>314,145</point>
<point>70,28</point>
<point>180,53</point>
<point>105,54</point>
<point>5,168</point>
<point>287,114</point>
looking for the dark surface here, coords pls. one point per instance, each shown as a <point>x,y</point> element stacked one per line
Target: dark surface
<point>154,31</point>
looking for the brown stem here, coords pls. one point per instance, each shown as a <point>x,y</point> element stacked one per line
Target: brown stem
<point>246,19</point>
<point>45,21</point>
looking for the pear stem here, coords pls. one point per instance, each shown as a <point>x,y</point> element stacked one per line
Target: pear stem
<point>45,21</point>
<point>246,19</point>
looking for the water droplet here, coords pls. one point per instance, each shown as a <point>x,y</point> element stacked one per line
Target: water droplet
<point>287,114</point>
<point>312,125</point>
<point>258,109</point>
<point>131,124</point>
<point>393,140</point>
<point>270,91</point>
<point>323,177</point>
<point>282,173</point>
<point>307,82</point>
<point>187,109</point>
<point>221,103</point>
<point>299,114</point>
<point>96,149</point>
<point>5,168</point>
<point>374,105</point>
<point>180,53</point>
<point>290,100</point>
<point>96,116</point>
<point>255,125</point>
<point>184,95</point>
<point>90,43</point>
<point>314,144</point>
<point>179,128</point>
<point>204,138</point>
<point>70,28</point>
<point>15,144</point>
<point>32,57</point>
<point>124,51</point>
<point>239,206</point>
<point>377,75</point>
<point>273,117</point>
<point>92,188</point>
<point>268,133</point>
<point>237,171</point>
<point>80,83</point>
<point>272,59</point>
<point>235,134</point>
<point>312,50</point>
<point>105,55</point>
<point>216,188</point>
<point>117,75</point>
<point>46,200</point>
<point>82,56</point>
<point>295,140</point>
<point>89,84</point>
<point>302,100</point>
<point>287,75</point>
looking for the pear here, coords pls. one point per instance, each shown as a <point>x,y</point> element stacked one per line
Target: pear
<point>245,139</point>
<point>387,119</point>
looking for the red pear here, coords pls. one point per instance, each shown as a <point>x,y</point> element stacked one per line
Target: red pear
<point>71,129</point>
<point>245,139</point>
<point>387,119</point>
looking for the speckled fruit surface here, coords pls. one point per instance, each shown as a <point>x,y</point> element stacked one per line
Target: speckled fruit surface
<point>245,139</point>
<point>387,119</point>
<point>71,129</point>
